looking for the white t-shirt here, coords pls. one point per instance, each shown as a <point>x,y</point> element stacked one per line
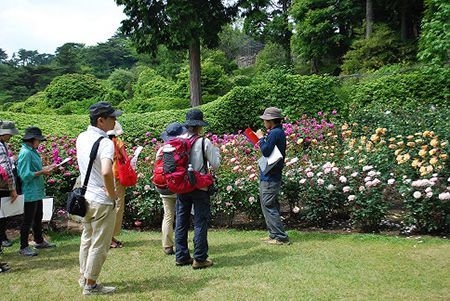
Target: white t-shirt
<point>96,188</point>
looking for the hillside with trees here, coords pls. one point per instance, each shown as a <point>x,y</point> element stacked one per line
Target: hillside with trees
<point>300,37</point>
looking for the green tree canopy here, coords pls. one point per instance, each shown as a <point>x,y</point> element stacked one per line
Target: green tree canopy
<point>268,21</point>
<point>324,29</point>
<point>434,44</point>
<point>180,24</point>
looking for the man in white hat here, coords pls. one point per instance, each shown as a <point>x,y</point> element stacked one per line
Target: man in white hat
<point>270,181</point>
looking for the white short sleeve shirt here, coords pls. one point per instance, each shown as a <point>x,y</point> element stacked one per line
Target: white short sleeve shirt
<point>96,188</point>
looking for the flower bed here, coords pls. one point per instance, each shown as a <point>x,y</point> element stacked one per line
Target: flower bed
<point>331,175</point>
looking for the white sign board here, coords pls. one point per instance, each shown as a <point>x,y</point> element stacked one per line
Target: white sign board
<point>10,209</point>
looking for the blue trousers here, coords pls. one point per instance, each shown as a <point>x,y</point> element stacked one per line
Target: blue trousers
<point>268,194</point>
<point>202,213</point>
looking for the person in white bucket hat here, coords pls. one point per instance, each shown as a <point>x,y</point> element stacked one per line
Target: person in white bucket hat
<point>8,183</point>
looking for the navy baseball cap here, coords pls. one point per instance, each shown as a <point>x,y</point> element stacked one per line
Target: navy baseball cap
<point>103,109</point>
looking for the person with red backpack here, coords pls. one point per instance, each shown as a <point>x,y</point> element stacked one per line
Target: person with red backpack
<point>168,197</point>
<point>202,156</point>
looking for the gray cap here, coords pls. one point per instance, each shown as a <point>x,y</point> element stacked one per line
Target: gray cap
<point>8,128</point>
<point>271,113</point>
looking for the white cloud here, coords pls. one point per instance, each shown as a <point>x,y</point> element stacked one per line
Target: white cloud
<point>44,25</point>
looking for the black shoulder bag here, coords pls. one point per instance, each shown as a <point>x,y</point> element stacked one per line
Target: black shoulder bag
<point>76,203</point>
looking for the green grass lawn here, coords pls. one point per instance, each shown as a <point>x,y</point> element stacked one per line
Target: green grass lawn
<point>316,266</point>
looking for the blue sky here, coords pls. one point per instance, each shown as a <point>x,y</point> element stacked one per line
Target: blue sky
<point>44,25</point>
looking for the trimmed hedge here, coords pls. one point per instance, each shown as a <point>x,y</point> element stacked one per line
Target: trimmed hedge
<point>295,94</point>
<point>428,85</point>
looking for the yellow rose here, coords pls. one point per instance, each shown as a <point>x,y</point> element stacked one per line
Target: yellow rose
<point>410,144</point>
<point>432,151</point>
<point>416,163</point>
<point>380,131</point>
<point>426,134</point>
<point>300,141</point>
<point>397,152</point>
<point>374,138</point>
<point>410,137</point>
<point>433,160</point>
<point>434,142</point>
<point>392,146</point>
<point>443,156</point>
<point>422,170</point>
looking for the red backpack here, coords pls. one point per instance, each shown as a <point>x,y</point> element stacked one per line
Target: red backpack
<point>171,168</point>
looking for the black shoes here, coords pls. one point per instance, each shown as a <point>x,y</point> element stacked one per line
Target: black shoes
<point>188,261</point>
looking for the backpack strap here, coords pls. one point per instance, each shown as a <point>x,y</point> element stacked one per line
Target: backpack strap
<point>192,141</point>
<point>205,161</point>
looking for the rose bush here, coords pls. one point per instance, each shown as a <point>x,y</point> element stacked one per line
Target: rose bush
<point>331,174</point>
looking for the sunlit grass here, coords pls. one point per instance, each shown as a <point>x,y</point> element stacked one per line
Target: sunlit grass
<point>317,266</point>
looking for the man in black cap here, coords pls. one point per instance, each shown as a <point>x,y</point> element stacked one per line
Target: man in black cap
<point>98,224</point>
<point>203,153</point>
<point>270,181</point>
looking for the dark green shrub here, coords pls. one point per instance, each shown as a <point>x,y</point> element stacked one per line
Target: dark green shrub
<point>426,86</point>
<point>295,95</point>
<point>241,80</point>
<point>382,48</point>
<point>73,87</point>
<point>214,80</point>
<point>154,104</point>
<point>77,107</point>
<point>271,57</point>
<point>35,104</point>
<point>122,80</point>
<point>150,84</point>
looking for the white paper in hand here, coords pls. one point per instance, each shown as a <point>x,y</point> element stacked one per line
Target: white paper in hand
<point>64,161</point>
